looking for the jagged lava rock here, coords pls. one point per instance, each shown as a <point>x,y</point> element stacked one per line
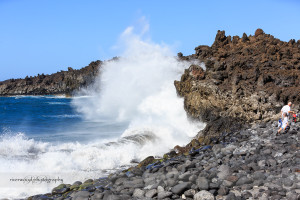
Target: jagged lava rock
<point>60,83</point>
<point>246,79</point>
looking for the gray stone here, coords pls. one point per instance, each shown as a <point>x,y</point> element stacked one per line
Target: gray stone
<point>204,195</point>
<point>246,187</point>
<point>62,188</point>
<point>106,194</point>
<point>77,183</point>
<point>97,195</point>
<point>138,193</point>
<point>149,180</point>
<point>258,176</point>
<point>164,194</point>
<point>267,151</point>
<point>243,180</point>
<point>261,163</point>
<point>39,197</point>
<point>246,195</point>
<point>136,183</point>
<point>185,176</point>
<point>151,193</point>
<point>113,178</point>
<point>125,197</point>
<point>190,193</point>
<point>227,183</point>
<point>264,196</point>
<point>172,174</point>
<point>112,197</point>
<point>217,148</point>
<point>202,183</point>
<point>48,198</point>
<point>224,171</point>
<point>292,195</point>
<point>228,149</point>
<point>287,182</point>
<point>81,195</point>
<point>160,189</point>
<point>273,186</point>
<point>120,181</point>
<point>272,162</point>
<point>231,196</point>
<point>258,182</point>
<point>253,165</point>
<point>119,188</point>
<point>171,182</point>
<point>193,178</point>
<point>127,191</point>
<point>149,187</point>
<point>223,191</point>
<point>88,181</point>
<point>181,187</point>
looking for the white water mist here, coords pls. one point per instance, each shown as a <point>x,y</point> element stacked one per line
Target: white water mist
<point>138,87</point>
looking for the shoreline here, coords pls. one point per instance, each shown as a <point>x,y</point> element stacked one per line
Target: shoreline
<point>239,94</point>
<point>252,163</point>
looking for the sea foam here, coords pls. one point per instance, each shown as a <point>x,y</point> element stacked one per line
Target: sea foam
<point>22,157</point>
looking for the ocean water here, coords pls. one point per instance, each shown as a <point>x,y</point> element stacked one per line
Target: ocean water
<point>131,111</point>
<point>52,119</point>
<point>45,137</point>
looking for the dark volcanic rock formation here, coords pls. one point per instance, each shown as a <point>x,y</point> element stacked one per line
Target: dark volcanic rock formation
<point>64,82</point>
<point>246,79</point>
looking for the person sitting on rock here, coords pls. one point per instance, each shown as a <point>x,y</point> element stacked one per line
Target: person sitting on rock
<point>284,124</point>
<point>286,109</point>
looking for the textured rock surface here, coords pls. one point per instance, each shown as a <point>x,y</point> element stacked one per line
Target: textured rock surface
<point>252,163</point>
<point>246,79</point>
<point>60,83</point>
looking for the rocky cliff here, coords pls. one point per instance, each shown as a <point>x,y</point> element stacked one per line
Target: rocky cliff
<point>60,83</point>
<point>246,79</point>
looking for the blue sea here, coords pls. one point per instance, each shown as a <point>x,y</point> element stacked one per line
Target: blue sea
<point>53,119</point>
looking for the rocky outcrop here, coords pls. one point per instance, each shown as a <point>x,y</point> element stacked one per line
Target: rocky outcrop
<point>60,83</point>
<point>249,164</point>
<point>246,79</point>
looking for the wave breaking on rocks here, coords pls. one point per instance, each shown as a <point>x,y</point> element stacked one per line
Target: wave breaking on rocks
<point>252,163</point>
<point>238,155</point>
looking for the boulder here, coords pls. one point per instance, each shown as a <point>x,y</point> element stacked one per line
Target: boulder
<point>202,183</point>
<point>204,195</point>
<point>181,187</point>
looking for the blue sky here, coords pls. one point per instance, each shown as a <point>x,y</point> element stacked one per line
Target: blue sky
<point>46,36</point>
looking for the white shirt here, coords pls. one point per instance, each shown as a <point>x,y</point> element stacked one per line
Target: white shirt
<point>284,122</point>
<point>286,109</point>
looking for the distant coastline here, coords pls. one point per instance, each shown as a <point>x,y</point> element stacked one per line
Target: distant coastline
<point>60,83</point>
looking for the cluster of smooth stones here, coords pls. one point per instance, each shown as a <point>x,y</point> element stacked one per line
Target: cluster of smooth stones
<point>253,163</point>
